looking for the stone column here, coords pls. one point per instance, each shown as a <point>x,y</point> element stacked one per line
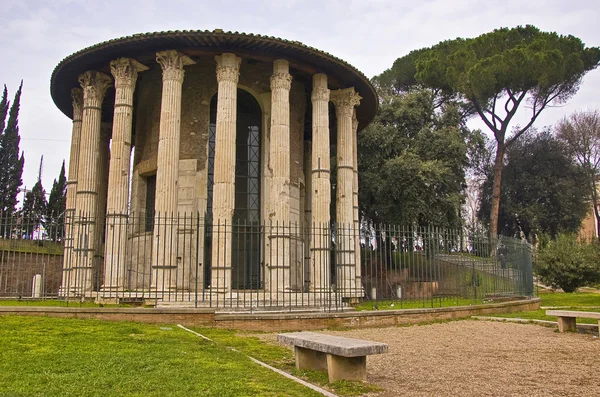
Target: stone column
<point>94,86</point>
<point>125,71</point>
<point>321,185</point>
<point>68,258</point>
<point>278,259</point>
<point>355,201</point>
<point>345,100</point>
<point>102,189</point>
<point>308,225</point>
<point>228,70</point>
<point>167,173</point>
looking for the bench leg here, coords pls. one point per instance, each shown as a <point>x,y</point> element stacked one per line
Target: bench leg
<point>346,368</point>
<point>567,324</point>
<point>310,359</point>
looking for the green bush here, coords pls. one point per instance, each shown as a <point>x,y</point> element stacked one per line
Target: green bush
<point>568,263</point>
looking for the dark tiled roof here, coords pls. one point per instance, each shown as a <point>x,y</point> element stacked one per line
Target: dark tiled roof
<point>144,46</point>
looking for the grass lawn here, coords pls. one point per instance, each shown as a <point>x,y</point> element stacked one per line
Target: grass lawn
<point>417,303</point>
<point>282,358</point>
<point>573,300</point>
<point>41,356</point>
<point>31,246</point>
<point>56,303</point>
<point>583,301</point>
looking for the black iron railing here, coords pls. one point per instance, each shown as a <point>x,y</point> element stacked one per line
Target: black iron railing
<point>185,261</point>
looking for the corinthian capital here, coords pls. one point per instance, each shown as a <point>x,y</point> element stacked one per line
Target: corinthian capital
<point>228,67</point>
<point>125,71</point>
<point>77,96</point>
<point>172,63</point>
<point>94,86</point>
<point>345,100</point>
<point>320,92</point>
<point>281,78</point>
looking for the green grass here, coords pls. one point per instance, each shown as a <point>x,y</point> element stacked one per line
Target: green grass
<point>541,315</point>
<point>417,303</point>
<point>31,246</point>
<point>282,358</point>
<point>56,303</point>
<point>71,357</point>
<point>581,301</point>
<point>411,259</point>
<point>575,299</point>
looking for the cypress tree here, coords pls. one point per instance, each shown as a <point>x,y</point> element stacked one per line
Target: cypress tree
<point>57,203</point>
<point>11,163</point>
<point>3,109</point>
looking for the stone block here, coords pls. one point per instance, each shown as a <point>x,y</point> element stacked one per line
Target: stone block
<point>566,324</point>
<point>346,368</point>
<point>310,359</point>
<point>567,319</point>
<point>336,345</point>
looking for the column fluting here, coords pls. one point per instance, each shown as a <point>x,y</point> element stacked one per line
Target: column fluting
<point>278,259</point>
<point>68,258</point>
<point>358,275</point>
<point>167,173</point>
<point>125,72</point>
<point>320,185</point>
<point>345,100</point>
<point>102,189</point>
<point>228,70</point>
<point>94,85</point>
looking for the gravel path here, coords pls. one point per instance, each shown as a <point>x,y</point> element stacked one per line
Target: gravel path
<point>480,358</point>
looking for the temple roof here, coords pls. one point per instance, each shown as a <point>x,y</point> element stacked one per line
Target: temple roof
<point>143,47</point>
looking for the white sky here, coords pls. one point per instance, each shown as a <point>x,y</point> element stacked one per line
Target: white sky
<point>369,34</point>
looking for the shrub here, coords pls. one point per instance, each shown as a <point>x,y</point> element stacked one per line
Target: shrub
<point>568,263</point>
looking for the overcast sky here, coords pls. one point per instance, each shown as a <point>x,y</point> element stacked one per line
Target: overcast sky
<point>35,35</point>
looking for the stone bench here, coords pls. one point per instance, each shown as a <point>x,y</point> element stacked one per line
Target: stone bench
<point>342,358</point>
<point>567,318</point>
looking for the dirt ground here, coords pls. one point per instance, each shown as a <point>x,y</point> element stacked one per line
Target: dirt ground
<point>481,358</point>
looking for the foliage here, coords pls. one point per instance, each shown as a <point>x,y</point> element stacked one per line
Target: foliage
<point>57,203</point>
<point>34,208</point>
<point>581,133</point>
<point>412,162</point>
<point>10,162</point>
<point>499,72</point>
<point>73,357</point>
<point>544,191</point>
<point>401,78</point>
<point>3,109</point>
<point>568,263</point>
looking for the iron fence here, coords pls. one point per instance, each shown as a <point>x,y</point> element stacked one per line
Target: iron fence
<point>184,260</point>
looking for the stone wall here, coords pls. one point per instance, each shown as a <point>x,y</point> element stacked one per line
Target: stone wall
<point>278,322</point>
<point>17,270</point>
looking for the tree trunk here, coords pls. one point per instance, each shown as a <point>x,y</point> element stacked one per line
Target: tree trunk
<point>498,165</point>
<point>596,211</point>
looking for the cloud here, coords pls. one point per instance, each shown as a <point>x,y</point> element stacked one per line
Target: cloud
<point>369,34</point>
